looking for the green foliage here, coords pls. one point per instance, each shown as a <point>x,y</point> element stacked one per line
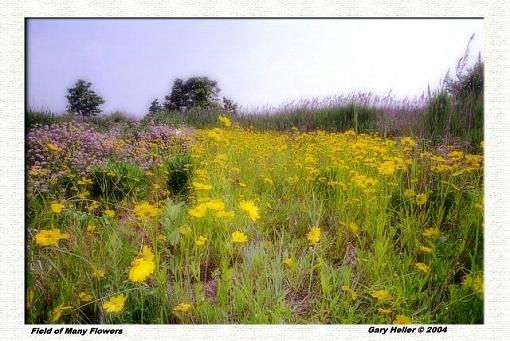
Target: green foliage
<point>193,117</point>
<point>82,100</point>
<point>229,106</point>
<point>33,117</point>
<point>340,118</point>
<point>155,107</point>
<point>114,181</point>
<point>179,174</point>
<point>194,92</point>
<point>456,111</point>
<point>172,215</point>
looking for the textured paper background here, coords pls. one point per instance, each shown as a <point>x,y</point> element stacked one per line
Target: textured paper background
<point>497,146</point>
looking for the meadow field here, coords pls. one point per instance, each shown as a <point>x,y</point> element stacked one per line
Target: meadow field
<point>229,224</point>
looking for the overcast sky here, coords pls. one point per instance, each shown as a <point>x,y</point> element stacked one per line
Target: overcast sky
<point>256,62</point>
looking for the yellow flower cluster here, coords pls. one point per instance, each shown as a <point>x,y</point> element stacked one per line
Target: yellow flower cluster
<point>143,266</point>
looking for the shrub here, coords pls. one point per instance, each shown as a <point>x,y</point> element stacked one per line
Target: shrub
<point>179,174</point>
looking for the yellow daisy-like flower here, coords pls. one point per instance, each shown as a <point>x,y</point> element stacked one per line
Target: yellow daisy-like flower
<point>57,207</point>
<point>288,261</point>
<point>409,193</point>
<point>225,121</point>
<point>431,232</point>
<point>199,211</point>
<point>314,235</point>
<point>384,311</point>
<point>49,237</point>
<point>182,308</point>
<point>84,297</point>
<point>354,228</point>
<point>354,295</point>
<point>215,205</point>
<point>421,199</point>
<point>93,206</point>
<point>239,237</point>
<point>115,304</point>
<point>91,228</point>
<point>402,319</point>
<point>268,181</point>
<point>110,213</point>
<point>408,142</point>
<point>53,147</point>
<point>162,237</point>
<point>201,187</point>
<point>185,230</point>
<point>426,249</point>
<point>99,273</point>
<point>146,210</point>
<point>56,314</point>
<point>381,295</point>
<point>387,168</point>
<point>201,240</point>
<point>250,209</point>
<point>423,267</point>
<point>143,266</point>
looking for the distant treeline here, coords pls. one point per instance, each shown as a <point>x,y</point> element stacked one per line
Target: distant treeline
<point>451,114</point>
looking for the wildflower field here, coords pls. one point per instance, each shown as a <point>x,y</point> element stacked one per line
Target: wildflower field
<point>153,224</point>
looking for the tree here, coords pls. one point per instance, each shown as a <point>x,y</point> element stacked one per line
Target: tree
<point>194,92</point>
<point>82,100</point>
<point>229,106</point>
<point>155,107</point>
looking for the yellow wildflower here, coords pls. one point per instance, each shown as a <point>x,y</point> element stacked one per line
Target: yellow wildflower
<point>143,266</point>
<point>84,297</point>
<point>383,311</point>
<point>57,207</point>
<point>354,295</point>
<point>402,319</point>
<point>225,121</point>
<point>250,209</point>
<point>185,230</point>
<point>387,168</point>
<point>431,232</point>
<point>56,314</point>
<point>110,213</point>
<point>239,237</point>
<point>146,210</point>
<point>49,237</point>
<point>381,295</point>
<point>425,249</point>
<point>314,235</point>
<point>199,211</point>
<point>98,273</point>
<point>421,199</point>
<point>409,193</point>
<point>408,142</point>
<point>53,147</point>
<point>182,308</point>
<point>215,205</point>
<point>115,304</point>
<point>200,186</point>
<point>423,267</point>
<point>201,240</point>
<point>288,261</point>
